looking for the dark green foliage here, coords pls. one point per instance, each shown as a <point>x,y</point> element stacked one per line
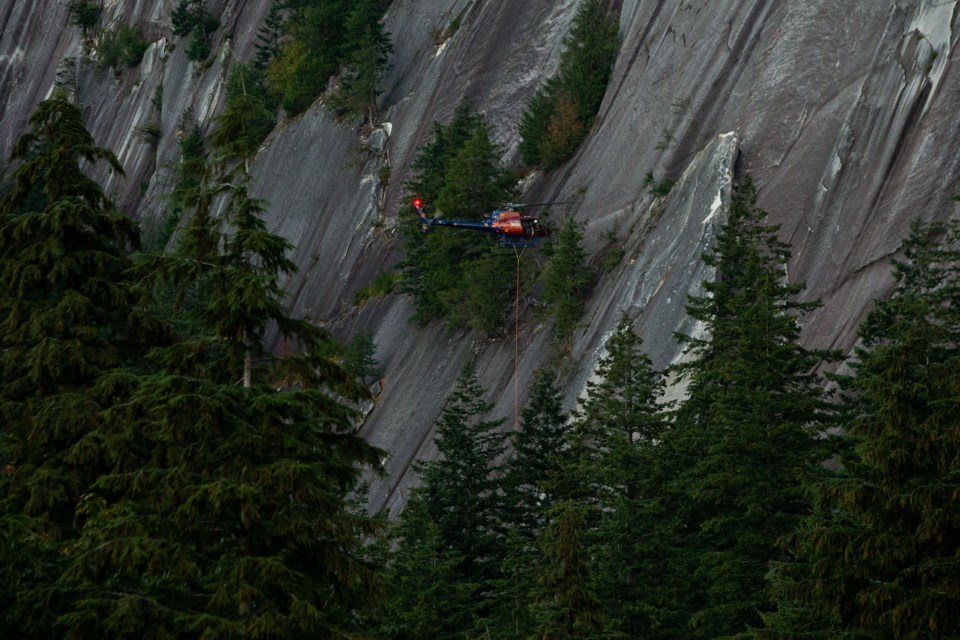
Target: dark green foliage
<point>191,18</point>
<point>192,166</point>
<point>535,121</point>
<point>363,68</point>
<point>449,530</point>
<point>562,111</point>
<point>615,471</point>
<point>269,36</point>
<point>526,501</point>
<point>66,322</point>
<point>359,356</point>
<point>382,284</point>
<point>199,47</point>
<point>190,14</point>
<point>750,429</point>
<point>247,117</point>
<point>325,36</point>
<point>225,511</point>
<point>565,603</point>
<point>123,47</point>
<point>182,17</point>
<point>536,457</point>
<point>456,275</point>
<point>566,281</point>
<point>364,62</point>
<point>428,597</point>
<point>461,487</point>
<point>878,559</point>
<point>85,14</point>
<point>657,189</point>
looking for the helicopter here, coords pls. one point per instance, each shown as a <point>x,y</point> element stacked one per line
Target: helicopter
<point>511,227</point>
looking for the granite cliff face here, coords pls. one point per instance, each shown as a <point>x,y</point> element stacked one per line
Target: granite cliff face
<point>843,112</point>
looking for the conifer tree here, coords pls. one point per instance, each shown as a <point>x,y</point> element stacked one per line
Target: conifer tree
<point>364,59</point>
<point>458,498</point>
<point>878,559</point>
<point>225,511</point>
<point>461,487</point>
<point>428,596</point>
<point>620,424</point>
<point>269,35</point>
<point>527,503</point>
<point>246,118</point>
<point>750,428</point>
<point>454,276</point>
<point>565,604</point>
<point>359,356</point>
<point>66,321</point>
<point>562,111</point>
<point>566,280</point>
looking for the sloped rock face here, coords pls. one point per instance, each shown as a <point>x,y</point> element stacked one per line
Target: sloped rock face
<point>843,112</point>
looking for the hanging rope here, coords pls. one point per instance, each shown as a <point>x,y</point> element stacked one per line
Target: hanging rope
<point>516,349</point>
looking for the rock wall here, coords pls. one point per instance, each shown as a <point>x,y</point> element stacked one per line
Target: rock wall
<point>843,111</point>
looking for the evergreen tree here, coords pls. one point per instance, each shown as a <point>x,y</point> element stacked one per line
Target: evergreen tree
<point>475,180</point>
<point>527,502</point>
<point>536,456</point>
<point>562,111</point>
<point>535,121</point>
<point>750,428</point>
<point>566,280</point>
<point>359,356</point>
<point>325,36</point>
<point>458,276</point>
<point>246,118</point>
<point>188,15</point>
<point>85,14</point>
<point>459,499</point>
<point>620,423</point>
<point>66,321</point>
<point>192,167</point>
<point>364,60</point>
<point>198,48</point>
<point>363,70</point>
<point>878,559</point>
<point>225,512</point>
<point>587,59</point>
<point>565,604</point>
<point>269,36</point>
<point>182,17</point>
<point>428,596</point>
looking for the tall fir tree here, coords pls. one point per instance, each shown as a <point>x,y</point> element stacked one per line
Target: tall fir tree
<point>225,512</point>
<point>620,423</point>
<point>247,117</point>
<point>564,602</point>
<point>66,322</point>
<point>752,426</point>
<point>527,502</point>
<point>458,498</point>
<point>878,559</point>
<point>566,281</point>
<point>269,36</point>
<point>366,60</point>
<point>561,112</point>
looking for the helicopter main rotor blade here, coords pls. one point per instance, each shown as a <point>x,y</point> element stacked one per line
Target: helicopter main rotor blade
<point>520,205</point>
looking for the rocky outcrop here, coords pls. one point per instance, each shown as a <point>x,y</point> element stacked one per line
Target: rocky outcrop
<point>844,113</point>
